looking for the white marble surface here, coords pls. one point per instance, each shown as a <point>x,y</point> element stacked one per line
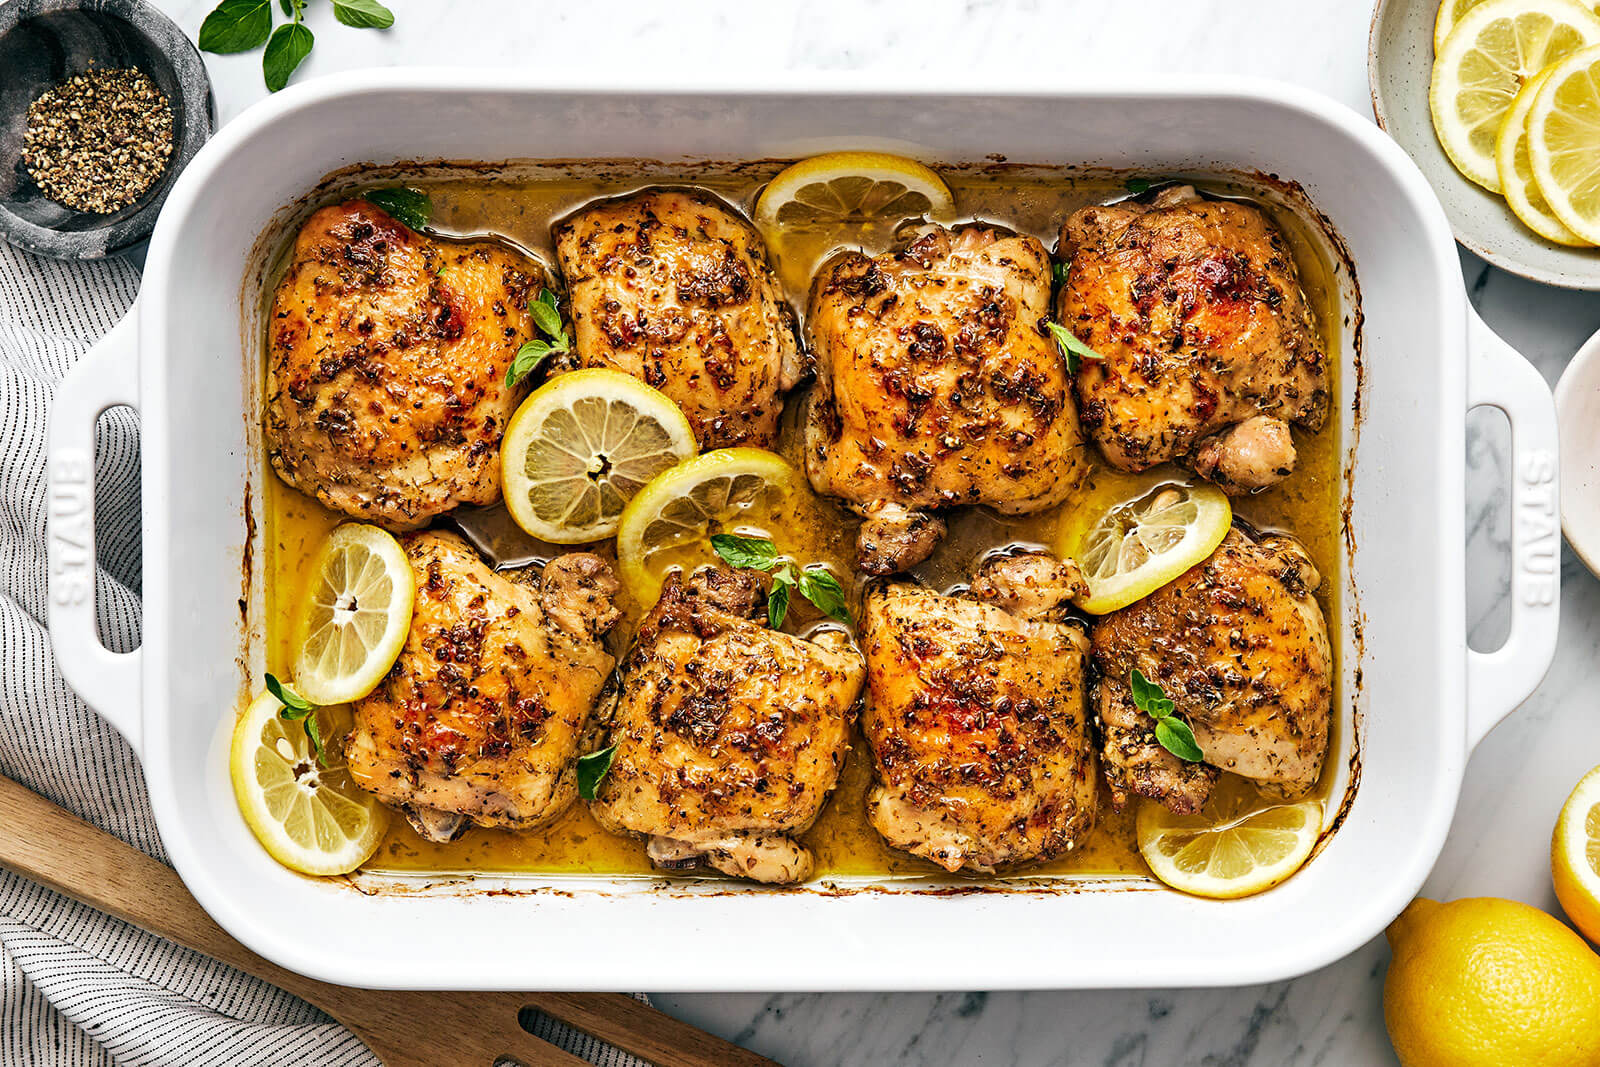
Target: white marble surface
<point>1518,777</point>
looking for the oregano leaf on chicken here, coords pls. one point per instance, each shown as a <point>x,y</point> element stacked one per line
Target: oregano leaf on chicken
<point>761,554</point>
<point>592,770</point>
<point>1172,733</point>
<point>547,317</point>
<point>1072,349</point>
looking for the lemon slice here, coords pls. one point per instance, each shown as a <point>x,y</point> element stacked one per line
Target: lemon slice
<point>1564,142</point>
<point>1575,856</point>
<point>1522,193</point>
<point>581,446</point>
<point>355,615</point>
<point>1450,13</point>
<point>1491,52</point>
<point>853,186</point>
<point>735,490</point>
<point>1237,845</point>
<point>310,818</point>
<point>1159,529</point>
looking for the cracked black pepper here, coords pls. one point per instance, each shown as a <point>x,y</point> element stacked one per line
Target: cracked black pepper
<point>99,140</point>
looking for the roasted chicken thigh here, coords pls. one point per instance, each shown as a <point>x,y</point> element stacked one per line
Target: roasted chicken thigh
<point>1209,351</point>
<point>937,385</point>
<point>386,395</point>
<point>480,718</point>
<point>1240,647</point>
<point>729,736</point>
<point>977,717</point>
<point>674,287</point>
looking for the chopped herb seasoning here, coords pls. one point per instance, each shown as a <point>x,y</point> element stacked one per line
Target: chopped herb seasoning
<point>98,141</point>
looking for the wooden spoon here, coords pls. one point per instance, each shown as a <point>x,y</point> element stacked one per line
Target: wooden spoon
<point>49,845</point>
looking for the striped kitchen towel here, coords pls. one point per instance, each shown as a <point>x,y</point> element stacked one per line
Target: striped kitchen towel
<point>77,987</point>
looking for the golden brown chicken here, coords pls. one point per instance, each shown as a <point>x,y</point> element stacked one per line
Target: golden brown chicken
<point>386,395</point>
<point>1239,645</point>
<point>937,385</point>
<point>977,717</point>
<point>480,718</point>
<point>1209,348</point>
<point>729,736</point>
<point>674,287</point>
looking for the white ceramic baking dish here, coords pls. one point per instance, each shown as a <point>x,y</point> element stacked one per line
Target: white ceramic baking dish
<point>1414,699</point>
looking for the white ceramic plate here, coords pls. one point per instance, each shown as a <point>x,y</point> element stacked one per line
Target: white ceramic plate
<point>1578,413</point>
<point>1399,67</point>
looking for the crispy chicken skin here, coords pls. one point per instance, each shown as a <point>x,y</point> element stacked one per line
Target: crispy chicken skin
<point>1209,347</point>
<point>978,719</point>
<point>386,395</point>
<point>937,385</point>
<point>675,287</point>
<point>729,735</point>
<point>480,718</point>
<point>1240,647</point>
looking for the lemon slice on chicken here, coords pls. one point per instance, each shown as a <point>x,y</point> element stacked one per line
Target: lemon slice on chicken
<point>1512,158</point>
<point>853,186</point>
<point>310,817</point>
<point>668,526</point>
<point>1238,844</point>
<point>1159,528</point>
<point>581,446</point>
<point>355,615</point>
<point>1496,47</point>
<point>1564,142</point>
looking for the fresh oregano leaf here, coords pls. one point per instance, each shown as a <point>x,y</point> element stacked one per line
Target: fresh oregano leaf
<point>1138,185</point>
<point>1072,349</point>
<point>287,696</point>
<point>410,207</point>
<point>528,357</point>
<point>547,319</point>
<point>363,14</point>
<point>592,770</point>
<point>1174,735</point>
<point>286,49</point>
<point>1059,272</point>
<point>757,553</point>
<point>778,601</point>
<point>236,26</point>
<point>824,590</point>
<point>546,316</point>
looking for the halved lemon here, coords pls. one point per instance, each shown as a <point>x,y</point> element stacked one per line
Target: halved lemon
<point>1516,170</point>
<point>853,186</point>
<point>668,526</point>
<point>355,615</point>
<point>1238,844</point>
<point>1575,856</point>
<point>1159,528</point>
<point>1496,47</point>
<point>1564,142</point>
<point>581,446</point>
<point>310,818</point>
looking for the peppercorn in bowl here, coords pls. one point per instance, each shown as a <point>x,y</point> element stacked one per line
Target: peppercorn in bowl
<point>100,107</point>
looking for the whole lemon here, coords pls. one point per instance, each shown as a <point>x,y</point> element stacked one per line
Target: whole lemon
<point>1490,982</point>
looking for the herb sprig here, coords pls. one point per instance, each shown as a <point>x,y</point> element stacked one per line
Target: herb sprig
<point>1172,733</point>
<point>411,207</point>
<point>297,708</point>
<point>245,25</point>
<point>592,770</point>
<point>547,317</point>
<point>813,583</point>
<point>1072,349</point>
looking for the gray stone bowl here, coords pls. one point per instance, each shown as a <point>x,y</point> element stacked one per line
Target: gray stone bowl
<point>1399,68</point>
<point>44,42</point>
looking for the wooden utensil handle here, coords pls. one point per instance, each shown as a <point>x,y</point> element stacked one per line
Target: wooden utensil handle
<point>47,844</point>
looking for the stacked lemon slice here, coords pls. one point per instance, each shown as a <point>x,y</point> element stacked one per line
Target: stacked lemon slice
<point>1515,99</point>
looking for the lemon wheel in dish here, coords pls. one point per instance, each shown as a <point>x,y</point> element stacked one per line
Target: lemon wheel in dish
<point>1239,844</point>
<point>356,612</point>
<point>579,449</point>
<point>1452,11</point>
<point>309,816</point>
<point>1515,165</point>
<point>1160,529</point>
<point>1496,47</point>
<point>1564,142</point>
<point>669,523</point>
<point>853,186</point>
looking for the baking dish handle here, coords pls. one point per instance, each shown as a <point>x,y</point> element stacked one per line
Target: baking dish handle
<point>106,376</point>
<point>1498,681</point>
